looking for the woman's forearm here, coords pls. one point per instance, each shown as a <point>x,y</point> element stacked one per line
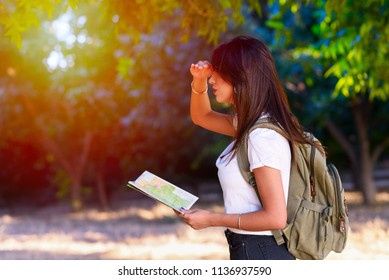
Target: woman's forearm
<point>253,221</point>
<point>200,104</point>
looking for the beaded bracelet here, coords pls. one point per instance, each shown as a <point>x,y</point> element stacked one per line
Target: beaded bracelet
<point>199,93</point>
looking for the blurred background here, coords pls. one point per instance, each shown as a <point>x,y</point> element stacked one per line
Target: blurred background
<point>94,92</point>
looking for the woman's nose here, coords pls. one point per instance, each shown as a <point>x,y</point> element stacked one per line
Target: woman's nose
<point>211,80</point>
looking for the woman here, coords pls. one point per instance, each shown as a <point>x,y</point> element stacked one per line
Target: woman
<point>242,73</point>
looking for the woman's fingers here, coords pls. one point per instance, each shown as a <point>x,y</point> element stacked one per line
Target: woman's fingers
<point>201,64</point>
<point>201,69</point>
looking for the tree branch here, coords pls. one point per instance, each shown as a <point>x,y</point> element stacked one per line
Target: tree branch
<point>341,139</point>
<point>198,10</point>
<point>379,150</point>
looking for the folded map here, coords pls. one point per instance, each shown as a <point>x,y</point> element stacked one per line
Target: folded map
<point>163,191</point>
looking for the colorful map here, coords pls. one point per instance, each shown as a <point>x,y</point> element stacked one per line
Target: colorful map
<point>163,191</point>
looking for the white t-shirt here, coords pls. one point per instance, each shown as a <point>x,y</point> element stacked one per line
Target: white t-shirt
<point>265,148</point>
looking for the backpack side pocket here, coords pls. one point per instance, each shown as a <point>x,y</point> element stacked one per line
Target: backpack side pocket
<point>311,231</point>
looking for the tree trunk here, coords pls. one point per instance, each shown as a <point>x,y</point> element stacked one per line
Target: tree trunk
<point>365,161</point>
<point>78,170</point>
<point>361,159</point>
<point>75,194</point>
<point>73,163</point>
<point>101,190</point>
<point>369,187</point>
<point>74,166</point>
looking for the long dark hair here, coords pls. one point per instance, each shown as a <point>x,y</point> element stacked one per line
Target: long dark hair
<point>248,66</point>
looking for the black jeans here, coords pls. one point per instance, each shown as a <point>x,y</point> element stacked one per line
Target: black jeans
<point>255,247</point>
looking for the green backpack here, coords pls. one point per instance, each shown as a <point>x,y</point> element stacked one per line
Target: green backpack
<point>317,221</point>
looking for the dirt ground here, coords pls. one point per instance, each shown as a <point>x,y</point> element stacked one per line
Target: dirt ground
<point>142,230</point>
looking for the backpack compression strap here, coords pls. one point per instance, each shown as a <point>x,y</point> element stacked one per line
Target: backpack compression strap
<point>244,165</point>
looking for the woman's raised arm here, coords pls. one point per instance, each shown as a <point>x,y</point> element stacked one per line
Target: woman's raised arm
<point>201,111</point>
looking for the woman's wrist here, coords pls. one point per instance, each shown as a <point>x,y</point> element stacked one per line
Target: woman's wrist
<point>199,85</point>
<point>199,92</point>
<point>239,221</point>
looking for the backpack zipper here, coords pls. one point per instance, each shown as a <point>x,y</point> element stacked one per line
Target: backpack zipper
<point>340,204</point>
<point>313,190</point>
<point>312,172</point>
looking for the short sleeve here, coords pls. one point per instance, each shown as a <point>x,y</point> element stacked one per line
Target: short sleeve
<point>267,148</point>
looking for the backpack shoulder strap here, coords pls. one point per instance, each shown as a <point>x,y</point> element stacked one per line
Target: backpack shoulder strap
<point>244,165</point>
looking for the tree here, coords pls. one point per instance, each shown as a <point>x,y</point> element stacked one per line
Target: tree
<point>345,43</point>
<point>69,128</point>
<point>360,56</point>
<point>20,157</point>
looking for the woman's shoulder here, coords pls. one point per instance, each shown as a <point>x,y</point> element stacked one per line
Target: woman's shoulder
<point>267,137</point>
<point>267,143</point>
<point>265,133</point>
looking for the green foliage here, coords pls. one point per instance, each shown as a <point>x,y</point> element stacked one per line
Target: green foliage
<point>355,37</point>
<point>349,37</point>
<point>18,16</point>
<point>207,18</point>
